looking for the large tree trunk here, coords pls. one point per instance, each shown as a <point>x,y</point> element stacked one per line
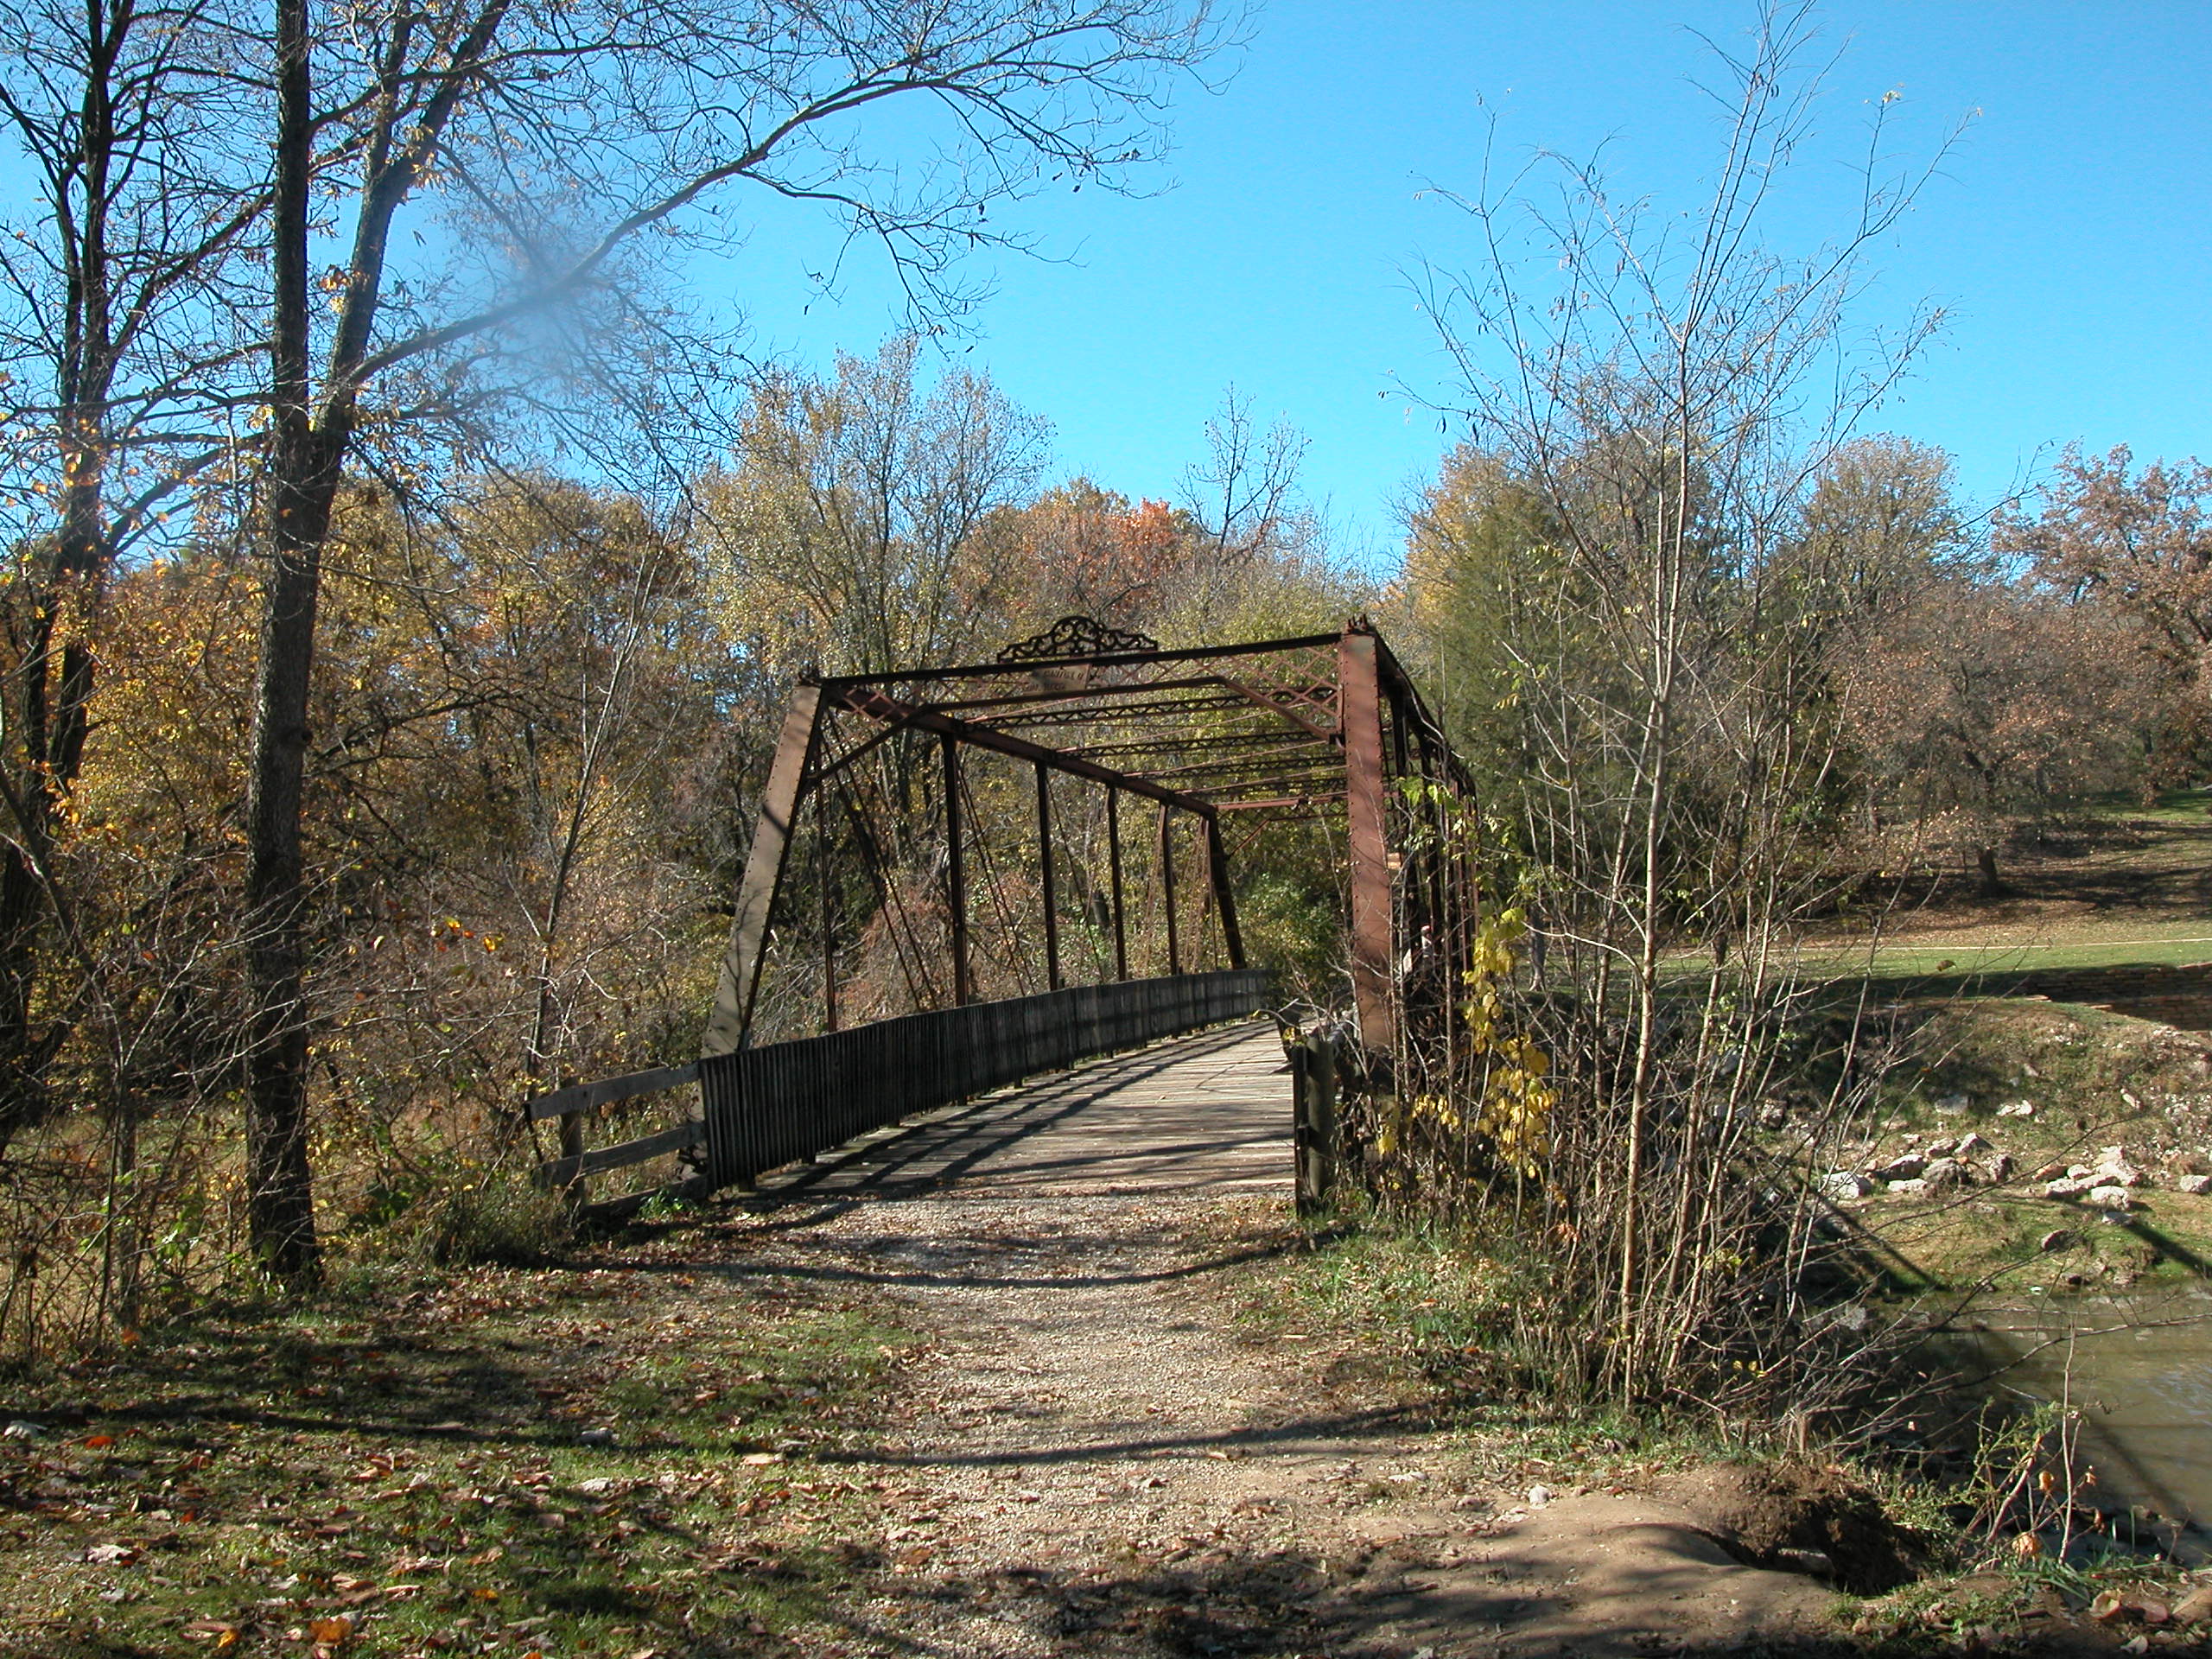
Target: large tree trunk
<point>280,1194</point>
<point>296,499</point>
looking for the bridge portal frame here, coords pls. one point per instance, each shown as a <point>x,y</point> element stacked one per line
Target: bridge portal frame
<point>1288,727</point>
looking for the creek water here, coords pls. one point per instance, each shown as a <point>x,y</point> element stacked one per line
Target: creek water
<point>2138,1367</point>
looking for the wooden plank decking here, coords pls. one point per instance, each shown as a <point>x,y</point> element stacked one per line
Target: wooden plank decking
<point>1209,1113</point>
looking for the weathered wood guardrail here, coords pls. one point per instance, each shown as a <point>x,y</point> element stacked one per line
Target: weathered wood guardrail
<point>774,1105</point>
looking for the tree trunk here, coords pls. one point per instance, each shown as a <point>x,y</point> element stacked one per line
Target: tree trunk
<point>22,912</point>
<point>1993,885</point>
<point>297,497</point>
<point>280,1194</point>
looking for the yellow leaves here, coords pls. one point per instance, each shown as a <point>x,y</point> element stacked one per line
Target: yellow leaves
<point>1440,1109</point>
<point>1515,1110</point>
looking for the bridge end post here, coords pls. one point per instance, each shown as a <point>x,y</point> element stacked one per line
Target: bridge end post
<point>1360,701</point>
<point>730,1024</point>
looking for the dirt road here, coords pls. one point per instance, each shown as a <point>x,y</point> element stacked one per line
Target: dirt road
<point>1092,1461</point>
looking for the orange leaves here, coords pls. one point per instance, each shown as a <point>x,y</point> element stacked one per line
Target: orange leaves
<point>1087,549</point>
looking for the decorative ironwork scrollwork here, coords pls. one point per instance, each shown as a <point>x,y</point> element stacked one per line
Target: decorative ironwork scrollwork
<point>1076,636</point>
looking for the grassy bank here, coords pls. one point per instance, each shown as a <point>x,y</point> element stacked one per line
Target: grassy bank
<point>2078,1081</point>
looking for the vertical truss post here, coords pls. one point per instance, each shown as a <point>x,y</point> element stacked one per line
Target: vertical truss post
<point>1359,700</point>
<point>1167,887</point>
<point>1232,937</point>
<point>1045,877</point>
<point>1421,879</point>
<point>955,875</point>
<point>822,875</point>
<point>730,1025</point>
<point>1113,877</point>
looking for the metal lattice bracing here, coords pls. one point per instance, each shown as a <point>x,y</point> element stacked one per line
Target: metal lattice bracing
<point>930,809</point>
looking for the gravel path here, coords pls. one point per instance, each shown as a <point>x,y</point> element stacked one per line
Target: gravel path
<point>1092,1461</point>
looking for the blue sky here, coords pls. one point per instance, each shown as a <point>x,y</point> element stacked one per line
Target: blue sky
<point>2066,237</point>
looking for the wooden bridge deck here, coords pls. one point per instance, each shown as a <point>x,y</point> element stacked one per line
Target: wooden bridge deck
<point>1209,1113</point>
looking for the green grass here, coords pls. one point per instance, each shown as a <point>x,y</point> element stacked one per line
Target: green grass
<point>1400,1308</point>
<point>2173,806</point>
<point>407,1477</point>
<point>2122,943</point>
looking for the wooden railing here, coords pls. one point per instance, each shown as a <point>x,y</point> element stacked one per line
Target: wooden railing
<point>774,1105</point>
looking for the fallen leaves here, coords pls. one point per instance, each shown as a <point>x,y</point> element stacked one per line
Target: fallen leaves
<point>342,1541</point>
<point>2109,1606</point>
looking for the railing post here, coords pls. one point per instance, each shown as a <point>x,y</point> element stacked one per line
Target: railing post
<point>1313,1125</point>
<point>575,1191</point>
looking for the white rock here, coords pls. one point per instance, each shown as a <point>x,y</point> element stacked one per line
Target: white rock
<point>2193,1184</point>
<point>1539,1495</point>
<point>1952,1105</point>
<point>23,1429</point>
<point>2017,1109</point>
<point>1906,1168</point>
<point>1999,1169</point>
<point>1844,1184</point>
<point>1910,1189</point>
<point>1972,1146</point>
<point>2066,1186</point>
<point>2111,1198</point>
<point>1940,1148</point>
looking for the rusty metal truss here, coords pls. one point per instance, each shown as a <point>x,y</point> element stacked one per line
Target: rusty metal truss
<point>1319,726</point>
